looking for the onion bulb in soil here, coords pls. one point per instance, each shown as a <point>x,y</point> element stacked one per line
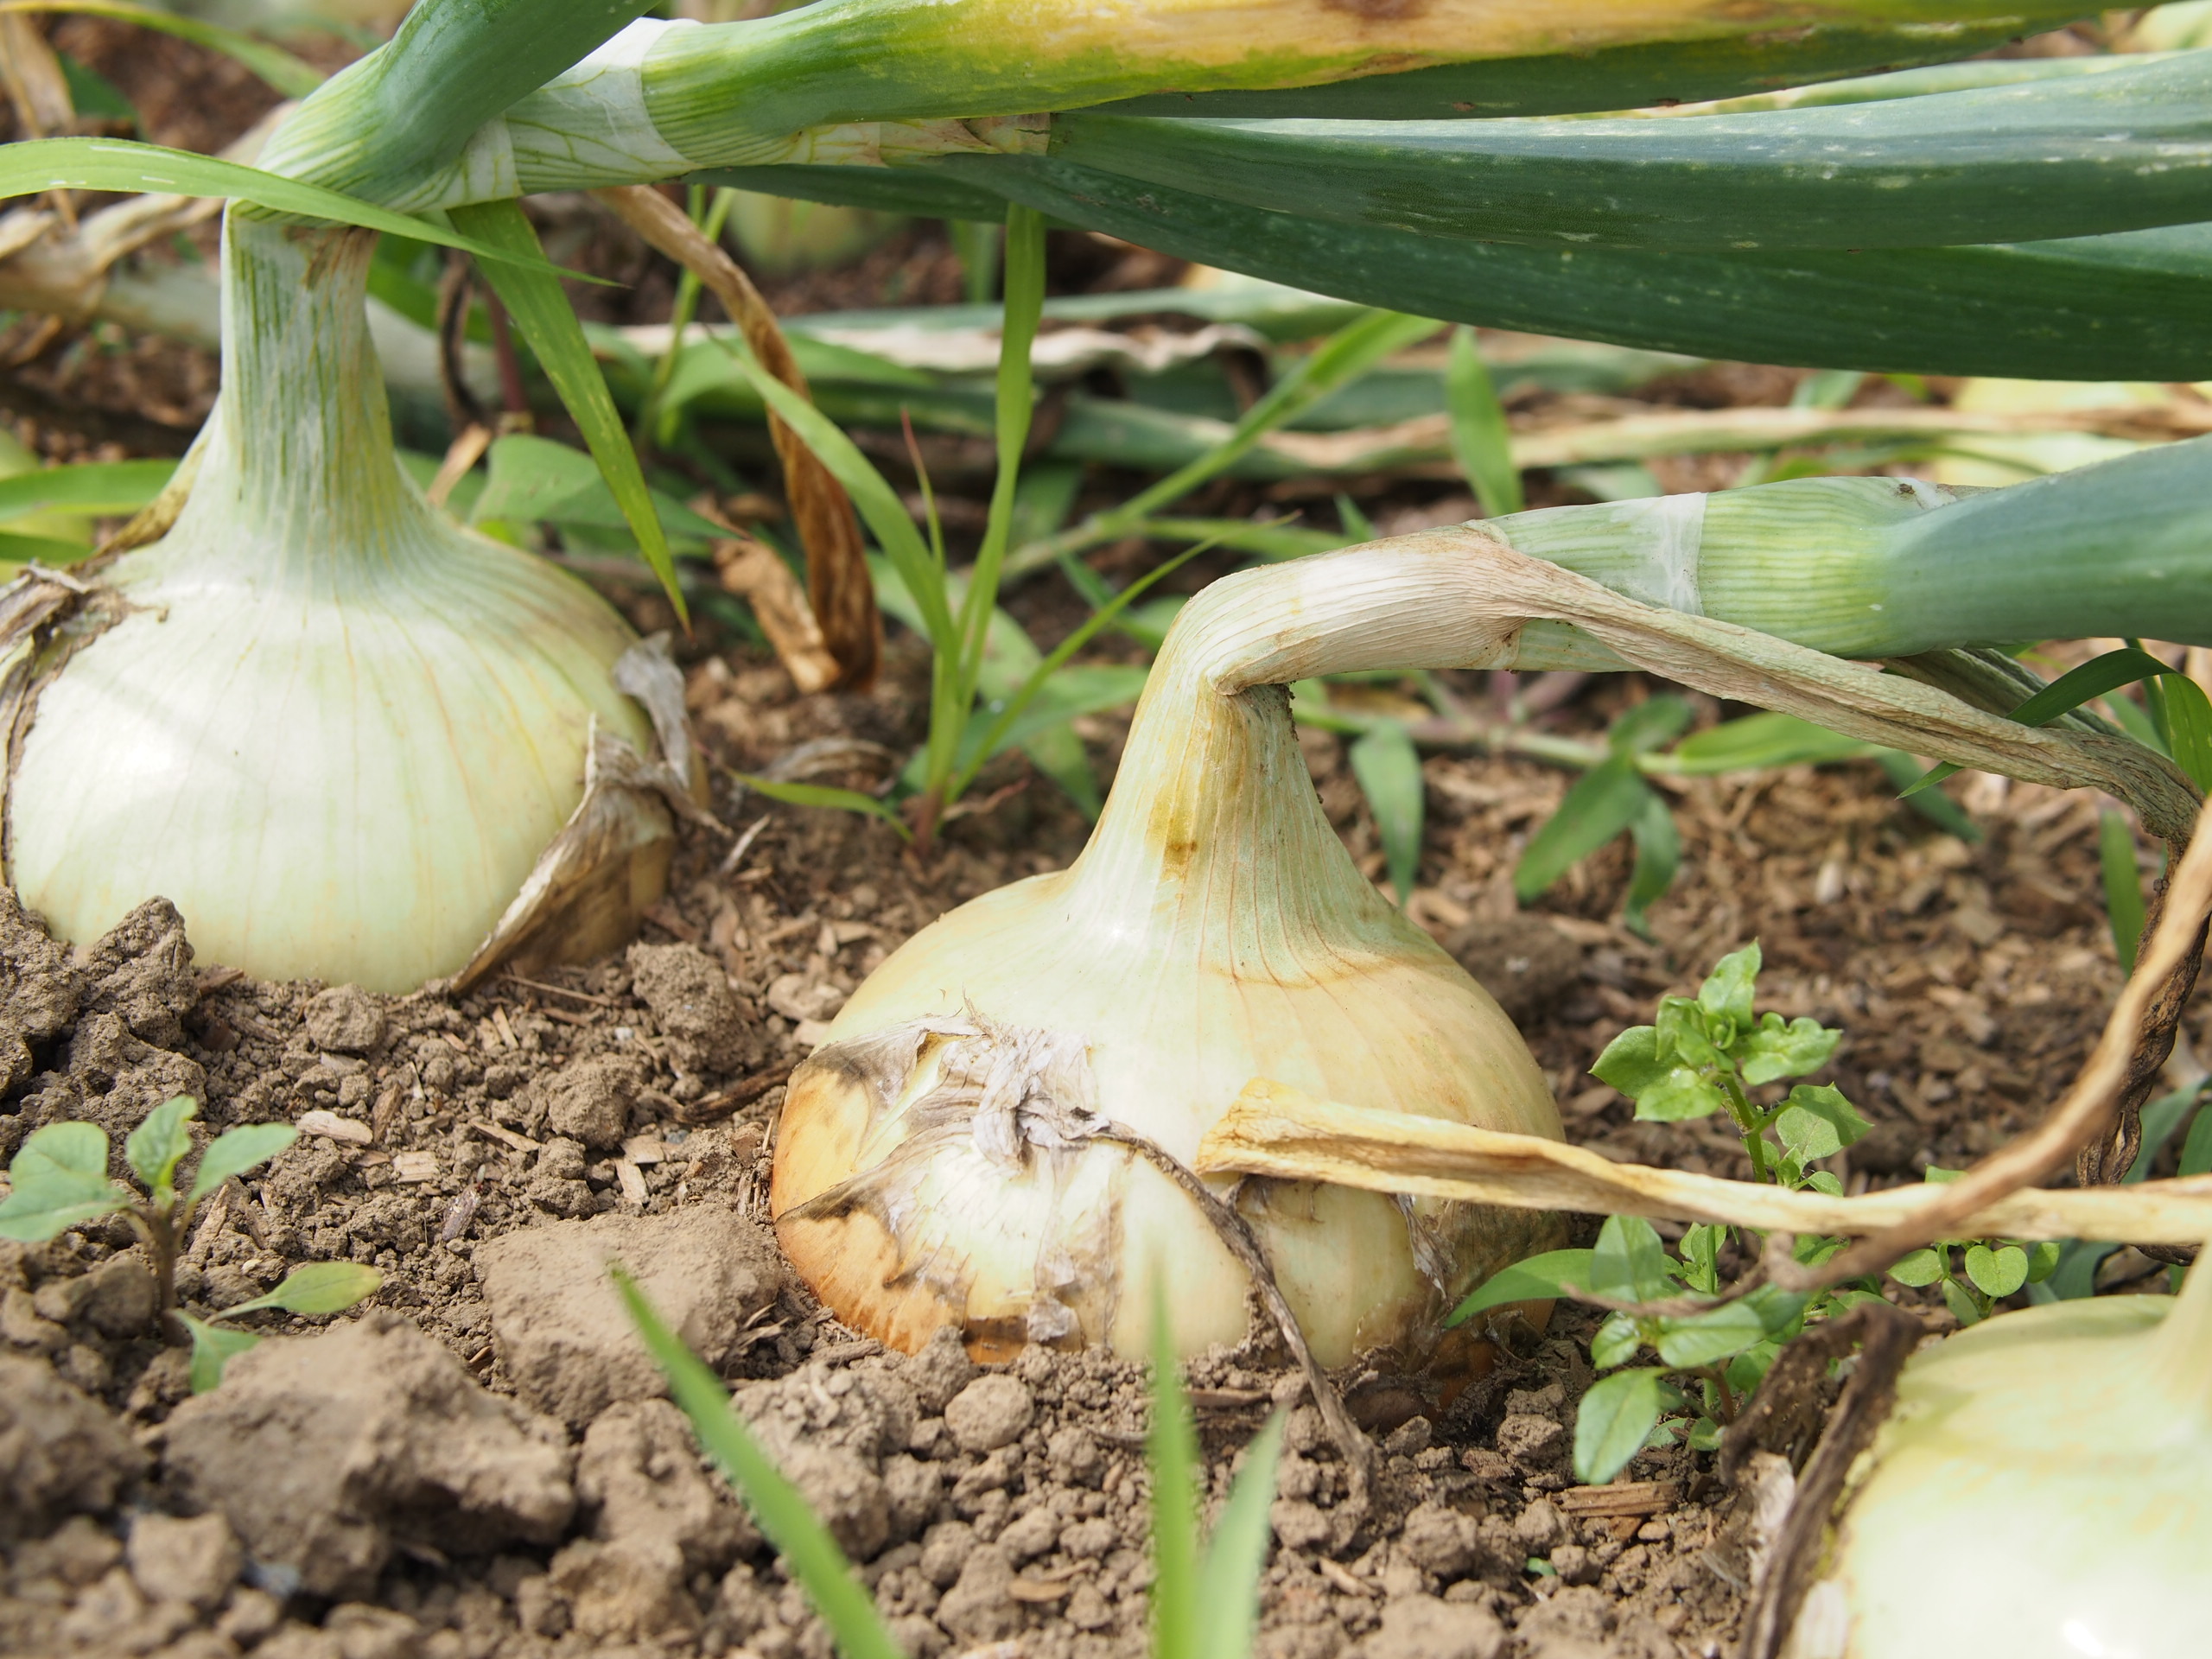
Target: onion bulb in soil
<point>334,728</point>
<point>940,1161</point>
<point>2043,1490</point>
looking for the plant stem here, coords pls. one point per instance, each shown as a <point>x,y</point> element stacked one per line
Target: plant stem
<point>1749,1121</point>
<point>685,308</point>
<point>1718,1375</point>
<point>158,1227</point>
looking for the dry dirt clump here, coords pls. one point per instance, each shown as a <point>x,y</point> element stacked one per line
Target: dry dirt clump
<point>481,1465</point>
<point>564,1338</point>
<point>326,1453</point>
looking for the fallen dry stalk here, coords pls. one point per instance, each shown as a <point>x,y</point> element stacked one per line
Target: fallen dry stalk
<point>841,595</point>
<point>1276,1131</point>
<point>1421,446</point>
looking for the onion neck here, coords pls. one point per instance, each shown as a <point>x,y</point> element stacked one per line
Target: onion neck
<point>2181,1358</point>
<point>1213,831</point>
<point>298,484</point>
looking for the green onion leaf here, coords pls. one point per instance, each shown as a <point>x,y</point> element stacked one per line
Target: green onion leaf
<point>121,164</point>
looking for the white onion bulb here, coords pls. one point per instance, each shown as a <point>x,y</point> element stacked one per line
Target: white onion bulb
<point>333,728</point>
<point>934,1164</point>
<point>2042,1491</point>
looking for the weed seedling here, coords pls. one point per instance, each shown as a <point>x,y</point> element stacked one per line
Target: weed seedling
<point>1706,1054</point>
<point>59,1179</point>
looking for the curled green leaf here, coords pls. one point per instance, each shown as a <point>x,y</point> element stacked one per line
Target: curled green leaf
<point>1771,1050</point>
<point>317,1287</point>
<point>1538,1279</point>
<point>157,1143</point>
<point>1727,993</point>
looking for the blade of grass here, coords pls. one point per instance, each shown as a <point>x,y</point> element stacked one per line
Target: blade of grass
<point>1389,772</point>
<point>1230,1582</point>
<point>1480,441</point>
<point>2123,886</point>
<point>1081,637</point>
<point>131,168</point>
<point>292,76</point>
<point>808,1553</point>
<point>2189,727</point>
<point>99,486</point>
<point>542,311</point>
<point>1932,804</point>
<point>1346,354</point>
<point>879,504</point>
<point>1025,301</point>
<point>1172,1449</point>
<point>843,800</point>
<point>1658,855</point>
<point>650,423</point>
<point>1604,801</point>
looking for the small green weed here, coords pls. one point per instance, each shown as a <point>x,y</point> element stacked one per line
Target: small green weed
<point>1709,1053</point>
<point>59,1179</point>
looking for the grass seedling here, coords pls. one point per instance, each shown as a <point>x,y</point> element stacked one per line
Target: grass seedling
<point>976,707</point>
<point>1204,1595</point>
<point>59,1179</point>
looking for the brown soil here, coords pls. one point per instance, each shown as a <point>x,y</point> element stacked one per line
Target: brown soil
<point>508,1487</point>
<point>474,1464</point>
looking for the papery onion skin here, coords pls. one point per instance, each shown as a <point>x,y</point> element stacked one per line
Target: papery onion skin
<point>1214,931</point>
<point>332,728</point>
<point>2043,1490</point>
